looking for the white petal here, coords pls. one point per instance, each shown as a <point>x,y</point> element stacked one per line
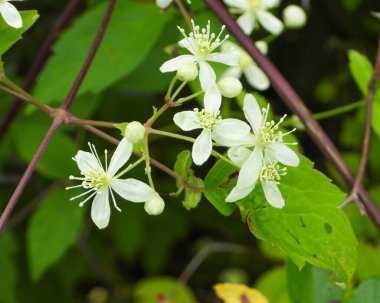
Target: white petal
<point>227,59</point>
<point>270,22</point>
<point>251,169</point>
<point>270,3</point>
<point>232,72</point>
<point>87,162</point>
<point>186,43</point>
<point>246,22</point>
<point>239,154</point>
<point>206,75</point>
<point>273,194</point>
<point>202,147</point>
<point>175,63</point>
<point>256,77</point>
<point>100,209</point>
<point>238,193</point>
<point>132,190</point>
<point>186,120</point>
<point>239,4</point>
<point>10,14</point>
<point>283,154</point>
<point>121,155</point>
<point>252,112</point>
<point>163,3</point>
<point>213,98</point>
<point>231,48</point>
<point>230,130</point>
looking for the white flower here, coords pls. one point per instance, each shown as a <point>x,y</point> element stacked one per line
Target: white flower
<point>201,43</point>
<point>261,163</point>
<point>163,3</point>
<point>254,75</point>
<point>225,132</point>
<point>100,182</point>
<point>10,14</point>
<point>254,12</point>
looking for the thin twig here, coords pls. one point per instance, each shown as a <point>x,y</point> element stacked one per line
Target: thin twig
<point>295,103</point>
<point>367,132</point>
<point>40,61</point>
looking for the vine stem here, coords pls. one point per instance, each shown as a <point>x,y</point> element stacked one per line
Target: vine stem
<point>39,61</point>
<point>367,132</point>
<point>295,103</point>
<point>59,116</point>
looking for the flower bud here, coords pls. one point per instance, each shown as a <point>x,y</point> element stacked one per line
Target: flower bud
<point>187,72</point>
<point>154,206</point>
<point>134,132</point>
<point>294,16</point>
<point>230,87</point>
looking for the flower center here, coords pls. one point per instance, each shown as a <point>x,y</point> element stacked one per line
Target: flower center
<point>272,172</point>
<point>268,132</point>
<point>95,179</point>
<point>245,60</point>
<point>254,4</point>
<point>208,120</point>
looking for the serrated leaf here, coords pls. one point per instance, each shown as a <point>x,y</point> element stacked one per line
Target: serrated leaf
<point>52,230</point>
<point>148,290</point>
<point>214,190</point>
<point>10,35</point>
<point>310,228</point>
<point>193,197</point>
<point>367,292</point>
<point>132,31</point>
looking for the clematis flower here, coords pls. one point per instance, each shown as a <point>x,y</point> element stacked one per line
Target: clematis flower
<point>201,43</point>
<point>261,163</point>
<point>254,12</point>
<point>223,131</point>
<point>101,182</point>
<point>10,14</point>
<point>254,75</point>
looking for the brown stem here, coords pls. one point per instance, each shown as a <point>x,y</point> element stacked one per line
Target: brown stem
<point>295,103</point>
<point>39,61</point>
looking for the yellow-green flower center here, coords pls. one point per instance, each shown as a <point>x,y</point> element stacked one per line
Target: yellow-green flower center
<point>272,172</point>
<point>207,120</point>
<point>254,4</point>
<point>245,60</point>
<point>95,179</point>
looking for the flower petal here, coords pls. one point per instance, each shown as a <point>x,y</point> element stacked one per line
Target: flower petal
<point>202,147</point>
<point>239,154</point>
<point>87,162</point>
<point>212,99</point>
<point>206,75</point>
<point>256,77</point>
<point>247,22</point>
<point>283,154</point>
<point>121,155</point>
<point>238,193</point>
<point>10,14</point>
<point>100,209</point>
<point>251,169</point>
<point>132,190</point>
<point>273,194</point>
<point>231,48</point>
<point>186,120</point>
<point>270,22</point>
<point>227,59</point>
<point>163,3</point>
<point>186,43</point>
<point>239,4</point>
<point>232,72</point>
<point>175,63</point>
<point>270,3</point>
<point>230,130</point>
<point>252,112</point>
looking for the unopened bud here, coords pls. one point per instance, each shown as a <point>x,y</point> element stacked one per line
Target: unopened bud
<point>230,87</point>
<point>294,16</point>
<point>154,206</point>
<point>187,72</point>
<point>134,132</point>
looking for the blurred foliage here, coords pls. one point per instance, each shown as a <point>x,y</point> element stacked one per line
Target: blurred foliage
<point>50,252</point>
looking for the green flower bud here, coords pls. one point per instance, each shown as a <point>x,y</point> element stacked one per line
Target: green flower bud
<point>154,206</point>
<point>187,72</point>
<point>134,132</point>
<point>230,87</point>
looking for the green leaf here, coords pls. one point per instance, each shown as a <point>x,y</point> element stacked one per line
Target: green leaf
<point>368,261</point>
<point>122,127</point>
<point>311,284</point>
<point>148,290</point>
<point>8,268</point>
<point>52,230</point>
<point>133,30</point>
<point>367,292</point>
<point>183,163</point>
<point>361,70</point>
<point>10,35</point>
<point>310,228</point>
<point>272,284</point>
<point>216,188</point>
<point>193,197</point>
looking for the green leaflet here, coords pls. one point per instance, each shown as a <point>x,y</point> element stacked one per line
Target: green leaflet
<point>367,292</point>
<point>133,30</point>
<point>310,228</point>
<point>10,35</point>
